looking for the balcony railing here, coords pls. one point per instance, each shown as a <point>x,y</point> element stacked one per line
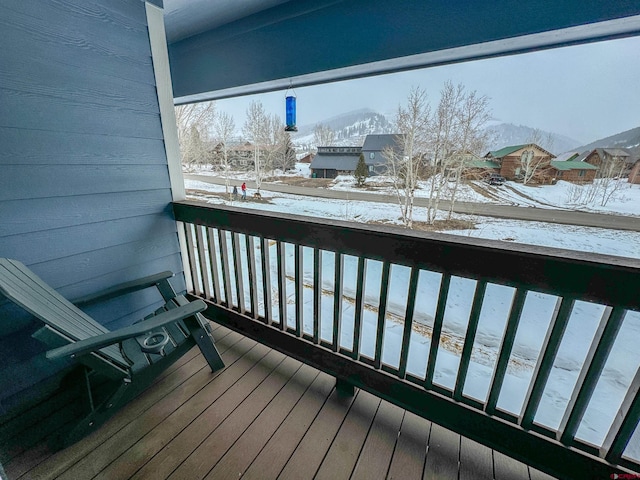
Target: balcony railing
<point>524,349</point>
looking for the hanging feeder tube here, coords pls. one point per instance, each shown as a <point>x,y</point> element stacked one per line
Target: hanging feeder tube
<point>290,110</point>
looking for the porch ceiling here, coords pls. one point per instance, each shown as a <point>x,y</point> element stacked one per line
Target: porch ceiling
<point>227,48</point>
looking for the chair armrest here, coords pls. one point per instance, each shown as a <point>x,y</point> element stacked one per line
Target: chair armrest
<point>100,341</point>
<point>122,289</point>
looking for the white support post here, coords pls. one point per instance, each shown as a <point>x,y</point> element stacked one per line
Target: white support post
<point>164,89</point>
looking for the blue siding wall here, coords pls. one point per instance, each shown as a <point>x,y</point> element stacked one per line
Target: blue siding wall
<point>84,183</point>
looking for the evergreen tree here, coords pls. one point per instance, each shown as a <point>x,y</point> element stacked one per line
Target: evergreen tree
<point>289,154</point>
<point>362,172</point>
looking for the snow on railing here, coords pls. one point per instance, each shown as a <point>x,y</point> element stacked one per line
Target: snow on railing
<point>542,339</point>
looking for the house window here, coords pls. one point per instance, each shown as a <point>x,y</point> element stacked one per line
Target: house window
<point>560,174</point>
<point>581,173</point>
<point>372,155</point>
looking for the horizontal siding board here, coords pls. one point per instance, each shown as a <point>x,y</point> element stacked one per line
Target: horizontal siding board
<point>64,81</point>
<point>40,112</point>
<point>79,268</point>
<point>35,215</point>
<point>41,147</point>
<point>65,242</point>
<point>41,51</point>
<point>131,271</point>
<point>48,181</point>
<point>120,13</point>
<point>77,38</point>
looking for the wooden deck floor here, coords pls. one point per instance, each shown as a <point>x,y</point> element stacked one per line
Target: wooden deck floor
<point>264,416</point>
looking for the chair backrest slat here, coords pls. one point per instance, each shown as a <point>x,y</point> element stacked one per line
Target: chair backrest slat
<point>23,287</point>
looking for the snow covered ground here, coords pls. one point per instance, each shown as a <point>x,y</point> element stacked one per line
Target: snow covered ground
<point>623,362</point>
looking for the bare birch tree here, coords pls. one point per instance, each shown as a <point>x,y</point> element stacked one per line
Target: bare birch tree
<point>404,161</point>
<point>323,135</point>
<point>444,139</point>
<point>273,142</point>
<point>529,163</point>
<point>472,117</point>
<point>286,153</point>
<point>192,118</point>
<point>255,130</point>
<point>608,176</point>
<point>223,129</point>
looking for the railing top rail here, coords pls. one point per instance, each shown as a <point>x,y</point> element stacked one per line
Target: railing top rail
<point>605,279</point>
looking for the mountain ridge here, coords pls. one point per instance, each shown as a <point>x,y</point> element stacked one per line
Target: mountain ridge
<point>629,139</point>
<point>352,127</point>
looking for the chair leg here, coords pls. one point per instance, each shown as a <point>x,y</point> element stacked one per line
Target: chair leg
<point>201,331</point>
<point>98,415</point>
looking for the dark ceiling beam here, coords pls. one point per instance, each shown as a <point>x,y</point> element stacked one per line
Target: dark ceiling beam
<point>309,42</point>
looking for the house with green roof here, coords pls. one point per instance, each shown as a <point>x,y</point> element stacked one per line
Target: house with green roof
<point>518,162</point>
<point>572,171</point>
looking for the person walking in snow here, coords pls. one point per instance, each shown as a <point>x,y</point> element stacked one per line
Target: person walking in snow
<point>244,191</point>
<point>235,192</point>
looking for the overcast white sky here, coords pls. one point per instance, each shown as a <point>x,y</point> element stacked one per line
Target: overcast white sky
<point>585,92</point>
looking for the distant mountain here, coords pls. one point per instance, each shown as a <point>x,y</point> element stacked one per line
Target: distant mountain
<point>629,139</point>
<point>506,134</point>
<point>350,128</point>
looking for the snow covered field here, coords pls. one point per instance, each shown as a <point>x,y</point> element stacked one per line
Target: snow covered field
<point>619,370</point>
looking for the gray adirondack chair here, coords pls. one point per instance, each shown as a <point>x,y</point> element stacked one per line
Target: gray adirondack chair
<point>130,358</point>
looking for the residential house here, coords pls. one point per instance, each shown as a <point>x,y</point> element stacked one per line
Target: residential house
<point>572,171</point>
<point>307,158</point>
<point>477,169</point>
<point>330,162</point>
<point>611,156</point>
<point>374,148</point>
<point>512,160</point>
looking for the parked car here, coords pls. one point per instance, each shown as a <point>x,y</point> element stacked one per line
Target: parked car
<point>495,179</point>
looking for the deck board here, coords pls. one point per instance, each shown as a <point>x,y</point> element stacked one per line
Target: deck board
<point>345,449</point>
<point>238,458</point>
<point>506,468</point>
<point>264,416</point>
<point>378,448</point>
<point>275,454</point>
<point>308,456</point>
<point>476,461</point>
<point>443,455</point>
<point>205,457</point>
<point>409,455</point>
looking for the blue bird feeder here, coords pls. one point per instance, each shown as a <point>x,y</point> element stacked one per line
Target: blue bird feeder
<point>291,114</point>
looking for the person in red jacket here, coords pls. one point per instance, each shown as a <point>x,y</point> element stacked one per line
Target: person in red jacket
<point>244,191</point>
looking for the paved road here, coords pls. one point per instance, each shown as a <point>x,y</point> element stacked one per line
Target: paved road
<point>566,217</point>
